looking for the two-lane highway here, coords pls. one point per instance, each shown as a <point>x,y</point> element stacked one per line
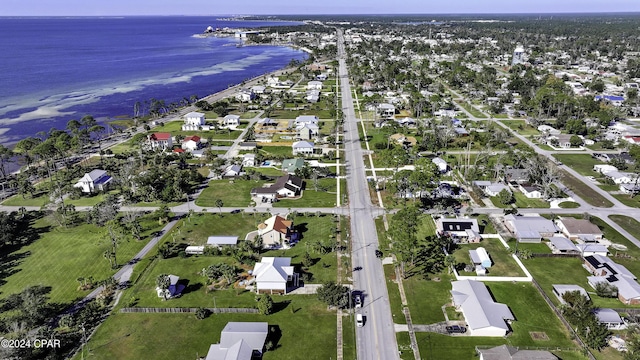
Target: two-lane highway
<point>377,338</point>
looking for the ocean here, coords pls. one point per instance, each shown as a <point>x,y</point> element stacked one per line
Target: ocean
<point>57,69</point>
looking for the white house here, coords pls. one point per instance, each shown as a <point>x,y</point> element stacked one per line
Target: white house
<point>604,168</point>
<point>307,131</point>
<point>231,120</point>
<point>191,143</point>
<point>249,160</point>
<point>530,191</point>
<point>174,289</point>
<point>232,171</point>
<point>160,141</point>
<point>306,119</point>
<point>314,85</point>
<point>386,111</point>
<point>274,274</point>
<point>442,165</point>
<point>194,118</point>
<point>239,341</point>
<point>484,316</point>
<point>592,249</point>
<point>302,147</point>
<point>620,177</point>
<point>530,229</point>
<point>96,180</point>
<point>577,229</point>
<point>560,289</point>
<point>219,241</point>
<point>610,318</point>
<point>245,95</point>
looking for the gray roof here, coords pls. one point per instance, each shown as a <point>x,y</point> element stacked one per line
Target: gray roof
<point>480,311</point>
<point>96,174</point>
<point>607,316</point>
<point>526,226</point>
<point>505,352</point>
<point>563,244</point>
<point>302,144</point>
<point>563,288</point>
<point>254,333</point>
<point>222,240</point>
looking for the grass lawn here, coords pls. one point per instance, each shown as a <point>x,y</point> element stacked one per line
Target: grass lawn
<point>40,199</point>
<point>521,127</point>
<point>583,191</point>
<point>324,197</point>
<point>568,205</point>
<point>628,200</point>
<point>426,227</point>
<point>203,225</point>
<point>395,302</point>
<point>485,224</point>
<point>582,163</point>
<point>471,109</point>
<point>521,202</point>
<point>268,151</point>
<point>404,346</point>
<point>531,313</point>
<point>180,336</point>
<point>426,297</point>
<point>628,223</point>
<point>231,192</point>
<point>503,264</point>
<point>349,337</point>
<point>59,256</point>
<point>267,171</point>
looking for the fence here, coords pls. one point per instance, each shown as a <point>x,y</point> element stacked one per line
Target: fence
<point>189,310</point>
<point>556,255</point>
<point>562,319</point>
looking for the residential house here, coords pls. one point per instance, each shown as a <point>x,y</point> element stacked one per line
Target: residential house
<point>610,318</point>
<point>559,141</point>
<point>160,141</point>
<point>592,249</point>
<point>267,122</point>
<point>606,270</point>
<point>276,232</point>
<point>245,95</point>
<point>530,229</point>
<point>96,180</point>
<point>313,96</point>
<point>576,229</point>
<point>407,121</point>
<point>530,191</point>
<point>484,316</point>
<point>307,131</point>
<point>491,188</point>
<point>191,143</point>
<point>562,245</point>
<point>604,168</point>
<point>274,275</point>
<point>629,188</point>
<point>249,160</point>
<point>314,85</point>
<point>456,226</point>
<point>548,130</point>
<point>441,164</point>
<point>560,290</point>
<point>232,171</point>
<point>194,118</point>
<point>302,147</point>
<point>231,120</point>
<point>517,176</point>
<point>247,146</point>
<point>613,99</point>
<point>305,119</point>
<point>286,186</point>
<point>506,352</point>
<point>220,241</point>
<point>620,177</point>
<point>290,166</point>
<point>174,289</point>
<point>240,341</point>
<point>258,89</point>
<point>386,111</point>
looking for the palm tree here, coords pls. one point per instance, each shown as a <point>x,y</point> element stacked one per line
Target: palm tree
<point>163,282</point>
<point>219,204</point>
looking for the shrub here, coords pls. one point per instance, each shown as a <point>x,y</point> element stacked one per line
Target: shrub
<point>202,313</point>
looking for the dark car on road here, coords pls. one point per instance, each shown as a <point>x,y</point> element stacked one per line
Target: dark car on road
<point>378,254</point>
<point>456,329</point>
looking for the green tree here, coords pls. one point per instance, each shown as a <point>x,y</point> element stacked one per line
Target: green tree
<point>575,141</point>
<point>334,294</point>
<point>265,304</point>
<point>163,282</point>
<point>506,197</point>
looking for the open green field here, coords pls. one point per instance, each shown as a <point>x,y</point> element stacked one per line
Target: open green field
<point>196,230</point>
<point>268,151</point>
<point>231,192</point>
<point>521,127</point>
<point>395,302</point>
<point>568,205</point>
<point>628,200</point>
<point>59,256</point>
<point>473,110</point>
<point>503,264</point>
<point>181,336</point>
<point>628,223</point>
<point>583,191</point>
<point>425,298</point>
<point>582,163</point>
<point>528,307</point>
<point>521,202</point>
<point>324,197</point>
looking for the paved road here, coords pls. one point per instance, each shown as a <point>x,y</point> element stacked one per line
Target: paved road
<point>377,339</point>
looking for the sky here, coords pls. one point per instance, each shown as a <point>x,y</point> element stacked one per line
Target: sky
<point>259,7</point>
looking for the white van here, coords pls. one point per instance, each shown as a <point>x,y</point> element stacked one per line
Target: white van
<point>359,320</point>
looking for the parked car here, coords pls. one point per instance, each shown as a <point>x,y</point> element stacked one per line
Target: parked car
<point>359,320</point>
<point>378,253</point>
<point>456,329</point>
<point>357,301</point>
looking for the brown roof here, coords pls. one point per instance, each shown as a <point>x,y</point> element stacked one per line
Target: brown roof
<point>580,226</point>
<point>281,225</point>
<point>160,136</point>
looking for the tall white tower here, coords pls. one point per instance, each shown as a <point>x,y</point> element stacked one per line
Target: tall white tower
<point>518,55</point>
